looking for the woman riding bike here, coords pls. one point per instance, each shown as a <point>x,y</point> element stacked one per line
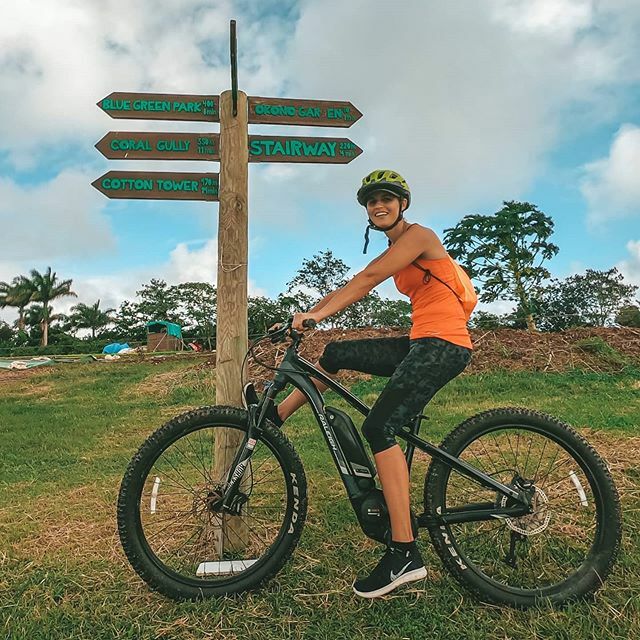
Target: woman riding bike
<point>437,349</point>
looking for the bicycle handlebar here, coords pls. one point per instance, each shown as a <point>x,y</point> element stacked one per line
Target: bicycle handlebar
<point>285,331</point>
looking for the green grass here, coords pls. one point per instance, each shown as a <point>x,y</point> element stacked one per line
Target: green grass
<point>67,433</point>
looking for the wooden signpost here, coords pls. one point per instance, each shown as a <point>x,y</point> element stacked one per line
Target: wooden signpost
<point>293,149</point>
<point>158,185</point>
<point>313,113</point>
<point>235,149</point>
<point>131,145</point>
<point>161,106</point>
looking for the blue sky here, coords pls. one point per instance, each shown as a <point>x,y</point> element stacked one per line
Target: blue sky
<point>474,102</point>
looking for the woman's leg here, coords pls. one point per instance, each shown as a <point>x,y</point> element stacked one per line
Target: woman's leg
<point>378,356</point>
<point>394,477</point>
<point>429,365</point>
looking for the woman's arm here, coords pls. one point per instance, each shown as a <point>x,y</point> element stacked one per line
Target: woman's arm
<point>408,247</point>
<point>356,289</point>
<point>329,296</point>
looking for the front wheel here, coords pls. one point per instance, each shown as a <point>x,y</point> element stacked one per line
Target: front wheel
<point>171,526</point>
<point>560,552</point>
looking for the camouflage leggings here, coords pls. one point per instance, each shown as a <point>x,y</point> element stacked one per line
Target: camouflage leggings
<point>417,370</point>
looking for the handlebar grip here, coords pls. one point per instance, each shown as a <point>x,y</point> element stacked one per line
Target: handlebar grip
<point>309,323</point>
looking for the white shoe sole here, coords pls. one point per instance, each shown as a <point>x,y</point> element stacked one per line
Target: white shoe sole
<point>410,576</point>
<point>243,395</point>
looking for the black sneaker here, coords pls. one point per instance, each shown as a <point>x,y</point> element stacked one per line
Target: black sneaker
<point>249,396</point>
<point>396,567</point>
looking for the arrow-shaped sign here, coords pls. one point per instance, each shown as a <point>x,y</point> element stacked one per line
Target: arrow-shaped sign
<point>161,106</point>
<point>312,113</point>
<point>131,145</point>
<point>298,149</point>
<point>158,185</point>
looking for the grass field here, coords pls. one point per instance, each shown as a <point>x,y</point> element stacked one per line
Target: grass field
<point>67,433</point>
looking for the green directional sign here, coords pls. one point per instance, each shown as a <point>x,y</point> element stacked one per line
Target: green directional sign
<point>158,185</point>
<point>130,145</point>
<point>161,106</point>
<point>313,113</point>
<point>300,149</point>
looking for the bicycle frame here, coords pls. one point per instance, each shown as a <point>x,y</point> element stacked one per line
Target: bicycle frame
<point>297,371</point>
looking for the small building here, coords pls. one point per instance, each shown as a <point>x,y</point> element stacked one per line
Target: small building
<point>164,336</point>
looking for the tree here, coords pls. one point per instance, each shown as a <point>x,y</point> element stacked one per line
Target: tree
<point>129,323</point>
<point>374,311</point>
<point>391,313</point>
<point>262,313</point>
<point>317,278</point>
<point>322,274</point>
<point>17,294</point>
<point>90,317</point>
<point>47,287</point>
<point>197,303</point>
<point>298,303</point>
<point>486,320</point>
<point>159,301</point>
<point>35,316</point>
<point>505,252</point>
<point>629,316</point>
<point>589,299</point>
<point>6,334</point>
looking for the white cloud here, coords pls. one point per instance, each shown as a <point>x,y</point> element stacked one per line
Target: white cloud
<point>611,185</point>
<point>630,268</point>
<point>187,262</point>
<point>57,218</point>
<point>465,98</point>
<point>59,57</point>
<point>552,16</point>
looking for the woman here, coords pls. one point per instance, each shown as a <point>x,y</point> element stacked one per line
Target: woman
<point>437,349</point>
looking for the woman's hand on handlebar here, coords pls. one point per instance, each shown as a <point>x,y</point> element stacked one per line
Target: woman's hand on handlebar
<point>299,319</point>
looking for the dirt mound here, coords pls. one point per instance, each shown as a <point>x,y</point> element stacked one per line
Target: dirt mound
<point>589,348</point>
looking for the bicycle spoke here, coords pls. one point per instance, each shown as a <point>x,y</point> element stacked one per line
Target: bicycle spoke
<point>559,531</point>
<point>185,533</point>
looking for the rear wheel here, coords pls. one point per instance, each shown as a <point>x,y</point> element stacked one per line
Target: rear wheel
<point>169,519</point>
<point>562,551</point>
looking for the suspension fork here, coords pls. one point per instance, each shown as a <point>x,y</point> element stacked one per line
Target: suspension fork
<point>256,415</point>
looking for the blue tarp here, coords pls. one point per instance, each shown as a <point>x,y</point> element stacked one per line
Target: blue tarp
<point>115,347</point>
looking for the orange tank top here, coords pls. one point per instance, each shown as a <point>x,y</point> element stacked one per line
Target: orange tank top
<point>436,312</point>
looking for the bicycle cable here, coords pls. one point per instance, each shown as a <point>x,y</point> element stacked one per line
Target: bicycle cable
<point>275,337</point>
<point>250,352</point>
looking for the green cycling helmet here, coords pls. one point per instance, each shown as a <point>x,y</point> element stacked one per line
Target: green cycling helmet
<point>383,180</point>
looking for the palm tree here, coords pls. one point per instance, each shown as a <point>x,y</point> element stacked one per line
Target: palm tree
<point>17,294</point>
<point>35,314</point>
<point>47,287</point>
<point>91,317</point>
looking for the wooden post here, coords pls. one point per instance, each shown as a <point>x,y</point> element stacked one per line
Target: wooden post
<point>232,322</point>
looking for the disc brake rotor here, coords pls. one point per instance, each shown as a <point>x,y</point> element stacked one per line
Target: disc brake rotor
<point>532,523</point>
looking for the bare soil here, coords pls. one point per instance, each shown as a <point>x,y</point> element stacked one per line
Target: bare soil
<point>590,348</point>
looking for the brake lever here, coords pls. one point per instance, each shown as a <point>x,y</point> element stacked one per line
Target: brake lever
<point>279,334</point>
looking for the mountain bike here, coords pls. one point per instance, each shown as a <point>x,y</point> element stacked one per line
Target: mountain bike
<point>519,507</point>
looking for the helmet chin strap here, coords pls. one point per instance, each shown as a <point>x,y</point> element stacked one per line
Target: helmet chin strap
<point>371,225</point>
